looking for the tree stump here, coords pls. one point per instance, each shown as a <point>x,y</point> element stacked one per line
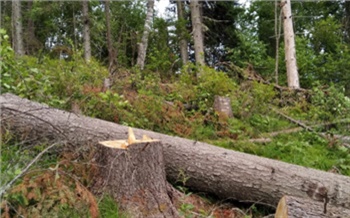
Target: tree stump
<point>133,173</point>
<point>222,105</point>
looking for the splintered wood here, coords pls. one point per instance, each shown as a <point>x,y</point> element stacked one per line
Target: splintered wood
<point>124,144</point>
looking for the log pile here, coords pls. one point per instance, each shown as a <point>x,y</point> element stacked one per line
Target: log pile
<point>224,173</point>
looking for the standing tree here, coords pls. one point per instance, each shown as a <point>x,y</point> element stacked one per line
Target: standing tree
<point>347,20</point>
<point>142,49</point>
<point>86,34</point>
<point>181,31</point>
<point>109,36</point>
<point>17,28</point>
<point>289,43</point>
<point>197,26</point>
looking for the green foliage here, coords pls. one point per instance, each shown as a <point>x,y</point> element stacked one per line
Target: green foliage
<point>326,35</point>
<point>329,104</point>
<point>253,97</point>
<point>160,57</point>
<point>251,51</point>
<point>109,208</point>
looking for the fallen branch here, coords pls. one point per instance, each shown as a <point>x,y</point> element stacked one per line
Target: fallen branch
<point>299,123</point>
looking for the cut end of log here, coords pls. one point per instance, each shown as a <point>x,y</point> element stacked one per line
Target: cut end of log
<point>123,144</point>
<point>282,209</point>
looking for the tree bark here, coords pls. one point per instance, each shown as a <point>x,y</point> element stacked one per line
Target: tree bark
<point>111,55</point>
<point>289,45</point>
<point>142,49</point>
<point>17,28</point>
<point>135,178</point>
<point>183,42</point>
<point>293,207</point>
<point>32,44</point>
<point>347,20</point>
<point>86,33</point>
<point>225,173</point>
<point>198,37</point>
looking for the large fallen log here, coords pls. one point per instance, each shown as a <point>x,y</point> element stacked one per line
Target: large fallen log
<point>227,174</point>
<point>294,207</point>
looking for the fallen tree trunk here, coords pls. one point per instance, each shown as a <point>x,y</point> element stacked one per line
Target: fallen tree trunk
<point>225,173</point>
<point>293,207</point>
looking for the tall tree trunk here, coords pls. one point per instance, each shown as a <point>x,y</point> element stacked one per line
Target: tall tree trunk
<point>183,41</point>
<point>87,45</point>
<point>30,45</point>
<point>142,49</point>
<point>347,20</point>
<point>289,43</point>
<point>198,37</point>
<point>17,27</point>
<point>109,36</point>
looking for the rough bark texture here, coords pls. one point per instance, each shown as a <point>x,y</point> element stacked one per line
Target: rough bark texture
<point>198,37</point>
<point>142,49</point>
<point>135,177</point>
<point>18,28</point>
<point>346,21</point>
<point>183,41</point>
<point>227,174</point>
<point>86,33</point>
<point>109,36</point>
<point>289,45</point>
<point>293,207</point>
<point>32,44</point>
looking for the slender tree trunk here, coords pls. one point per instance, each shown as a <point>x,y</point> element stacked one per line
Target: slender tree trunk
<point>30,34</point>
<point>87,45</point>
<point>142,49</point>
<point>347,20</point>
<point>198,37</point>
<point>289,43</point>
<point>17,27</point>
<point>109,35</point>
<point>183,41</point>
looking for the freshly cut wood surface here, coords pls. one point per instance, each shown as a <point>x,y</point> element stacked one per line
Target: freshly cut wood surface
<point>225,173</point>
<point>294,207</point>
<point>134,175</point>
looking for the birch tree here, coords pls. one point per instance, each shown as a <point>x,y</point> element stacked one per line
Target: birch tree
<point>289,43</point>
<point>17,28</point>
<point>198,37</point>
<point>142,48</point>
<point>86,33</point>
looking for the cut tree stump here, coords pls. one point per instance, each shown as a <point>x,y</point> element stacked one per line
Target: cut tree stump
<point>294,207</point>
<point>222,105</point>
<point>133,173</point>
<point>206,168</point>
